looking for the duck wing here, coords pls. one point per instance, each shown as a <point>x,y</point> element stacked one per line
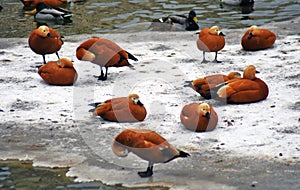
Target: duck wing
<point>179,19</point>
<point>56,12</point>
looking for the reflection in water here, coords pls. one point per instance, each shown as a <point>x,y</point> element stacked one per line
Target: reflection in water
<point>247,9</point>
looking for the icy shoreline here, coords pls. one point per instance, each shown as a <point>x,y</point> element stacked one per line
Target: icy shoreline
<point>51,125</point>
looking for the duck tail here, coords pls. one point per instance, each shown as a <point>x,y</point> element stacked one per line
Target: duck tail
<point>65,11</point>
<point>181,154</point>
<point>214,90</point>
<point>130,56</point>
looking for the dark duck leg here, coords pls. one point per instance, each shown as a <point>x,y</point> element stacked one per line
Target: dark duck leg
<point>204,60</point>
<point>148,172</point>
<point>102,76</point>
<point>215,60</point>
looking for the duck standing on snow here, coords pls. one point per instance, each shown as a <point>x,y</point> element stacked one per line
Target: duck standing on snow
<point>243,90</point>
<point>257,39</point>
<point>147,145</point>
<point>211,40</point>
<point>46,14</point>
<point>237,2</point>
<point>203,85</point>
<point>187,22</point>
<point>45,40</point>
<point>104,53</point>
<point>122,109</point>
<point>59,72</point>
<point>199,117</point>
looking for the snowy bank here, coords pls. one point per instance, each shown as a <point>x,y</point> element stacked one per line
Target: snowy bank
<point>51,125</point>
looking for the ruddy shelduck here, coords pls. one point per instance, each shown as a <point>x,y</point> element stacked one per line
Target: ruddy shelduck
<point>243,90</point>
<point>45,40</point>
<point>199,117</point>
<point>49,3</point>
<point>104,53</point>
<point>59,72</point>
<point>122,109</point>
<point>147,145</point>
<point>211,40</point>
<point>257,39</point>
<point>203,85</point>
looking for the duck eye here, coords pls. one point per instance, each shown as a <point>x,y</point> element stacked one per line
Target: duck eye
<point>58,62</point>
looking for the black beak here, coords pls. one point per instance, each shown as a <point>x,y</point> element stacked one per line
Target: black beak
<point>207,115</point>
<point>140,103</point>
<point>94,104</point>
<point>50,35</point>
<point>257,72</point>
<point>250,35</point>
<point>188,84</point>
<point>221,34</point>
<point>92,110</point>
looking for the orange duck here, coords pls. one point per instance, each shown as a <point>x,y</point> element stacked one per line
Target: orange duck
<point>45,40</point>
<point>203,85</point>
<point>104,53</point>
<point>49,3</point>
<point>59,72</point>
<point>199,117</point>
<point>257,39</point>
<point>147,145</point>
<point>211,40</point>
<point>123,109</point>
<point>243,90</point>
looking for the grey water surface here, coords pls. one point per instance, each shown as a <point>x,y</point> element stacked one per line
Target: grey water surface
<point>94,16</point>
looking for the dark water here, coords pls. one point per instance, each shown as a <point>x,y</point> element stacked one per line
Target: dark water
<point>20,175</point>
<point>108,16</point>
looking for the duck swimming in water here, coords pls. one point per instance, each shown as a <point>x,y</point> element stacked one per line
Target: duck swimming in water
<point>45,14</point>
<point>237,2</point>
<point>187,22</point>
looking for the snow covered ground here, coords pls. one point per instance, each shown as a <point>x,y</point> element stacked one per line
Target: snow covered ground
<point>51,125</point>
